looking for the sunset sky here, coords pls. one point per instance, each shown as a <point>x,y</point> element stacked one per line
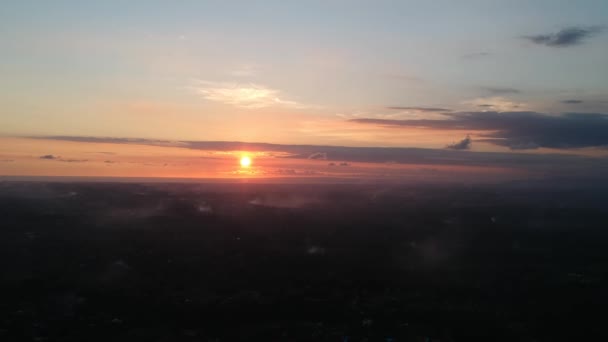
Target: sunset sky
<point>137,88</point>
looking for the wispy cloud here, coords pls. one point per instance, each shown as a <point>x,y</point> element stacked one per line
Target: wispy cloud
<point>73,160</point>
<point>520,130</point>
<point>58,158</point>
<point>572,101</point>
<point>318,155</point>
<point>496,103</point>
<point>247,95</point>
<point>419,109</point>
<point>566,37</point>
<point>501,90</point>
<point>476,55</point>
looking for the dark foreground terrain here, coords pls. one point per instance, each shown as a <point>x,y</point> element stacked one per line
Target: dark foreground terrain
<point>237,262</point>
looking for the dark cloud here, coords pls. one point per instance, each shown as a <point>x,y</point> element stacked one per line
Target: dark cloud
<point>485,105</point>
<point>420,109</point>
<point>566,37</point>
<point>572,101</point>
<point>520,130</point>
<point>58,158</point>
<point>501,90</point>
<point>463,144</point>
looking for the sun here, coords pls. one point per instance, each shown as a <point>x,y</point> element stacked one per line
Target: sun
<point>245,161</point>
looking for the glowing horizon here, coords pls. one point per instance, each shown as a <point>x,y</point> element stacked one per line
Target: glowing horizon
<point>413,74</point>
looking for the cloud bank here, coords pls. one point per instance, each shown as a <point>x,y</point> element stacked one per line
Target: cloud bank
<point>520,130</point>
<point>338,154</point>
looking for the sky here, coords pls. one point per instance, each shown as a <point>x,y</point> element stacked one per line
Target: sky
<point>481,77</point>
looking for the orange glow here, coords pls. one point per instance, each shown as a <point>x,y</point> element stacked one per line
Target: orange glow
<point>41,157</point>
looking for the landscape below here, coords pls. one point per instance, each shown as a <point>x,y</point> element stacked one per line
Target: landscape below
<point>335,262</point>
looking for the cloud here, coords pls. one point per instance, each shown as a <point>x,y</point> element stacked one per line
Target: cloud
<point>247,95</point>
<point>572,101</point>
<point>577,167</point>
<point>463,144</point>
<point>110,140</point>
<point>419,109</point>
<point>476,55</point>
<point>520,130</point>
<point>496,103</point>
<point>58,158</point>
<point>569,36</point>
<point>285,172</point>
<point>73,160</point>
<point>501,90</point>
<point>318,155</point>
